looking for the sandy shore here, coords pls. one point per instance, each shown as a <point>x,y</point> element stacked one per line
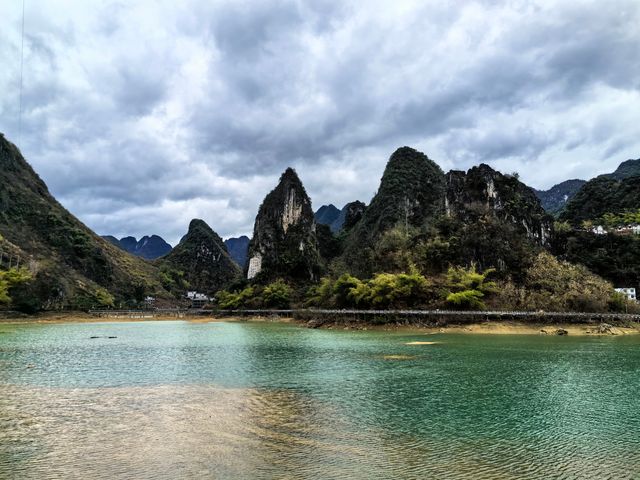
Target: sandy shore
<point>489,328</point>
<point>81,317</point>
<point>515,328</point>
<point>498,328</point>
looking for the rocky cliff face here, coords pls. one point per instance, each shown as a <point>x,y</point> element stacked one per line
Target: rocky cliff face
<point>284,239</point>
<point>203,257</point>
<point>484,192</point>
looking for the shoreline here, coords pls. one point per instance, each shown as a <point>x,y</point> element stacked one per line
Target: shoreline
<point>487,327</point>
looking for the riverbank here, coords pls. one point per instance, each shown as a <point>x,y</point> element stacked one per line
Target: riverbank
<point>84,317</point>
<point>489,327</point>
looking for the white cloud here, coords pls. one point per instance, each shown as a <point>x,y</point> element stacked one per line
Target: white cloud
<point>142,115</point>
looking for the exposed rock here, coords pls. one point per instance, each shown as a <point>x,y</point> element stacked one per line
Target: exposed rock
<point>203,257</point>
<point>284,242</point>
<point>555,331</point>
<point>482,192</point>
<point>604,329</point>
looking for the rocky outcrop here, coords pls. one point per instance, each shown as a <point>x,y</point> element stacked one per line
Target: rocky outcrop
<point>484,192</point>
<point>352,213</point>
<point>203,258</point>
<point>284,242</point>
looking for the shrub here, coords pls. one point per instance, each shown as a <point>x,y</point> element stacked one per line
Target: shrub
<point>467,287</point>
<point>234,300</point>
<point>277,294</point>
<point>9,279</point>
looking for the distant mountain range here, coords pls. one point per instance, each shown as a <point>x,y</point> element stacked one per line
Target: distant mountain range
<point>238,248</point>
<point>149,247</point>
<point>421,219</point>
<point>154,246</point>
<point>336,219</point>
<point>555,199</point>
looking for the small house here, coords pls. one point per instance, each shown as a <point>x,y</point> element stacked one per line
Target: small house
<point>628,292</point>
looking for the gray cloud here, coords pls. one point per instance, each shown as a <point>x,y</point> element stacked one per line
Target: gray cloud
<point>141,116</point>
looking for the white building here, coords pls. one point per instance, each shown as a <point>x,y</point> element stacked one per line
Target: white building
<point>630,293</point>
<point>599,230</point>
<point>198,300</point>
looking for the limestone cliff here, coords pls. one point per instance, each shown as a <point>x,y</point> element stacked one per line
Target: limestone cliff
<point>203,257</point>
<point>483,192</point>
<point>284,242</point>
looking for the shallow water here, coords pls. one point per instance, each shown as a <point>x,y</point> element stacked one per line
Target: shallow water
<point>172,400</point>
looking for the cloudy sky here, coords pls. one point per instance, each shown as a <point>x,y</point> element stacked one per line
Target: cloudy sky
<point>141,115</point>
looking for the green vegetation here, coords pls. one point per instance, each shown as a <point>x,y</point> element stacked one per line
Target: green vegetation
<point>70,259</point>
<point>410,196</point>
<point>9,279</point>
<point>466,240</point>
<point>613,220</point>
<point>556,285</point>
<point>277,294</point>
<point>615,258</point>
<point>235,300</point>
<point>468,287</point>
<point>602,196</point>
<point>200,261</point>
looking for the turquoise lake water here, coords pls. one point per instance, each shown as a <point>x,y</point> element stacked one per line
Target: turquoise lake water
<point>168,400</point>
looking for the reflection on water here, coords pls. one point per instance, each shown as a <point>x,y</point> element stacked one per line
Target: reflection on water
<point>177,400</point>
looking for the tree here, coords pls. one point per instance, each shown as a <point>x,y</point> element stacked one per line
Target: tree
<point>277,294</point>
<point>234,300</point>
<point>9,279</point>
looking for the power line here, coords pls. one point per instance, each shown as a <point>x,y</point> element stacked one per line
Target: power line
<point>21,74</point>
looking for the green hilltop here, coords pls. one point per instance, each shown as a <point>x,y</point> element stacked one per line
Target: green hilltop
<point>428,239</point>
